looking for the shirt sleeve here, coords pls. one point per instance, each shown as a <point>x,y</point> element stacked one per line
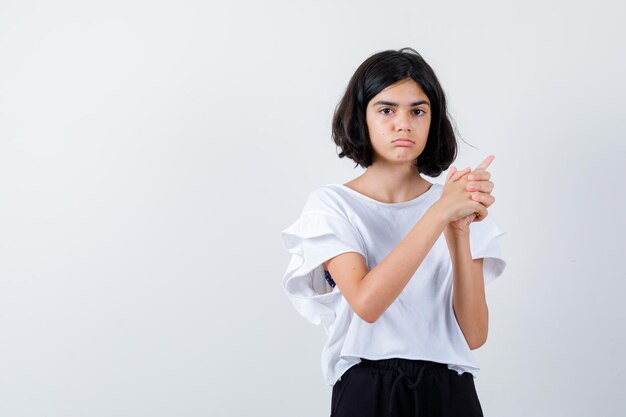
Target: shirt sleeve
<point>314,238</point>
<point>484,244</point>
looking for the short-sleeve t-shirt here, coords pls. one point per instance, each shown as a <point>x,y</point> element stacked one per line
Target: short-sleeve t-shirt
<point>420,323</point>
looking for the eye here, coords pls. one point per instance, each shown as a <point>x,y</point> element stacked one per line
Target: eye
<point>418,110</point>
<point>385,110</point>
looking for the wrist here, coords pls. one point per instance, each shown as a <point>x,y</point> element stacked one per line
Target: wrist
<point>455,233</point>
<point>438,212</point>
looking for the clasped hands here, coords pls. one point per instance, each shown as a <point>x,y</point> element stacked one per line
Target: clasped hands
<point>477,182</point>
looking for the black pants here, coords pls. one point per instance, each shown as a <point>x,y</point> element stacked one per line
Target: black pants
<point>402,387</point>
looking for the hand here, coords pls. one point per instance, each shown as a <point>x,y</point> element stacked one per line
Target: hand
<point>460,225</point>
<point>456,201</point>
<point>481,185</point>
<point>482,192</point>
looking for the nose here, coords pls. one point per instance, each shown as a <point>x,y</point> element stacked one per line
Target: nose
<point>403,122</point>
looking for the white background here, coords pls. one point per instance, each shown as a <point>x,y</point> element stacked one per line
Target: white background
<point>151,152</point>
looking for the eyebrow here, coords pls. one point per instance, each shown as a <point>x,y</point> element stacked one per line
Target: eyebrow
<point>389,103</point>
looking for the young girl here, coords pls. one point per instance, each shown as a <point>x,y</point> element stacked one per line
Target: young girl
<point>393,266</point>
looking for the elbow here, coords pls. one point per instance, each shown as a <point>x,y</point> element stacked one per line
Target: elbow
<point>368,317</point>
<point>368,312</point>
<point>477,341</point>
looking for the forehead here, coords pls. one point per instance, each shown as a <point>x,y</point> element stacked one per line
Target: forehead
<point>407,89</point>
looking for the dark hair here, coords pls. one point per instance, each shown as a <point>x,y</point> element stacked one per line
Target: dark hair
<point>349,127</point>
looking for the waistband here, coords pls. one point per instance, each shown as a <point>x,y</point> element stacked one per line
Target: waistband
<point>409,372</point>
<point>410,367</point>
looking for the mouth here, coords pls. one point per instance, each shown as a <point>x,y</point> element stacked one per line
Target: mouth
<point>403,142</point>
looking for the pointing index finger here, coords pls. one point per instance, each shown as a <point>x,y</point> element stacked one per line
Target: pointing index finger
<point>484,164</point>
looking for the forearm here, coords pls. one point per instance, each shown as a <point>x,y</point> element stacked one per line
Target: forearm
<point>384,283</point>
<point>470,305</point>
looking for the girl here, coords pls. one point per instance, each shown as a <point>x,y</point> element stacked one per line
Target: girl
<point>393,266</point>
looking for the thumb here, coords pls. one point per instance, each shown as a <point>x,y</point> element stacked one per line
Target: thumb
<point>450,172</point>
<point>459,174</point>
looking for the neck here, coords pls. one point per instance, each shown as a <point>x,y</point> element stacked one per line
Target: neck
<point>394,183</point>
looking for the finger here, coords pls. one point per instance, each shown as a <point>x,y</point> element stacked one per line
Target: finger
<point>483,198</point>
<point>481,212</point>
<point>482,186</point>
<point>481,168</point>
<point>486,162</point>
<point>478,175</point>
<point>469,218</point>
<point>478,219</point>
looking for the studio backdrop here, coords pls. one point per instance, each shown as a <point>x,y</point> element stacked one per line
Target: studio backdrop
<point>151,153</point>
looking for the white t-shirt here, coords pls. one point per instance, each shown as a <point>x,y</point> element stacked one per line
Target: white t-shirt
<point>420,323</point>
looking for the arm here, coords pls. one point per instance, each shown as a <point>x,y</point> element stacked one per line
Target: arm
<point>370,293</point>
<point>469,303</point>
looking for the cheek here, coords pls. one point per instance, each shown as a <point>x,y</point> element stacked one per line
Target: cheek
<point>424,127</point>
<point>375,128</point>
<point>381,127</point>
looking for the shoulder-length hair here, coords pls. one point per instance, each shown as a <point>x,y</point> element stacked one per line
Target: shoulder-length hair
<point>349,127</point>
